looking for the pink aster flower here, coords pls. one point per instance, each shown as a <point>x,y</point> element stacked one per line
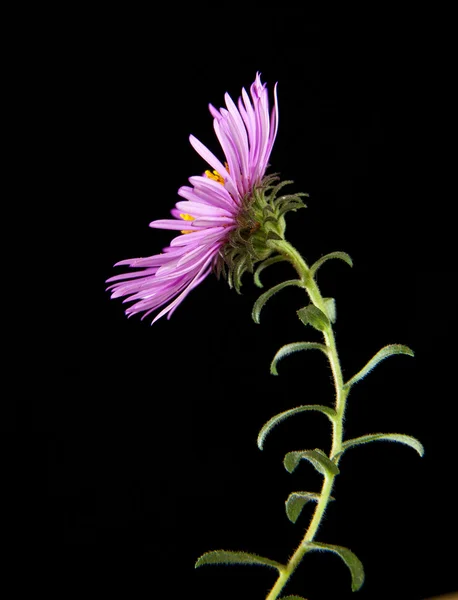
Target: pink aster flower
<point>214,207</point>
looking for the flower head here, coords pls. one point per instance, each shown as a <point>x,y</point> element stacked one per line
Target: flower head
<point>221,215</point>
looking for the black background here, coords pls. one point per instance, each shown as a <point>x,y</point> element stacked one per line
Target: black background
<point>138,443</point>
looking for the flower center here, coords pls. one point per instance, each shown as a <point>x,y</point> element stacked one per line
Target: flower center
<point>187,217</point>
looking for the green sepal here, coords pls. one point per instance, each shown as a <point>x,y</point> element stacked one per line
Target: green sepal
<point>296,502</point>
<point>330,305</point>
<point>266,429</point>
<point>294,347</point>
<point>316,457</point>
<point>349,558</point>
<point>287,205</point>
<point>273,236</point>
<point>245,264</point>
<point>229,557</point>
<point>260,225</point>
<point>340,255</point>
<point>293,196</point>
<point>273,227</point>
<point>259,304</point>
<point>408,440</point>
<point>390,350</point>
<point>270,218</point>
<point>274,189</point>
<point>266,263</point>
<point>312,315</point>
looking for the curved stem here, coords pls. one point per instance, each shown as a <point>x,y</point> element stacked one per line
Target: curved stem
<point>291,254</point>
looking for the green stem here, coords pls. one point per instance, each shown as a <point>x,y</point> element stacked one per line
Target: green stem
<point>291,254</point>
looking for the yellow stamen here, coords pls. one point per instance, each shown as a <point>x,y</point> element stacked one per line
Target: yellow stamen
<point>187,217</point>
<point>215,176</point>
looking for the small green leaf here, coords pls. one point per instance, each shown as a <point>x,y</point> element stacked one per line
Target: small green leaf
<point>349,558</point>
<point>302,314</point>
<point>267,428</point>
<point>294,347</point>
<point>263,265</point>
<point>313,315</point>
<point>385,352</point>
<point>408,440</point>
<point>259,304</point>
<point>341,255</point>
<point>330,305</point>
<point>296,502</point>
<point>316,457</point>
<point>228,557</point>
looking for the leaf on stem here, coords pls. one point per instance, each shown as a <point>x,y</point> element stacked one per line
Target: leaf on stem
<point>259,304</point>
<point>408,440</point>
<point>312,315</point>
<point>340,255</point>
<point>296,502</point>
<point>385,352</point>
<point>349,558</point>
<point>294,347</point>
<point>229,557</point>
<point>266,429</point>
<point>263,265</point>
<point>316,457</point>
<point>330,305</point>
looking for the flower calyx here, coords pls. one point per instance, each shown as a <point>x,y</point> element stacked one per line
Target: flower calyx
<point>261,218</point>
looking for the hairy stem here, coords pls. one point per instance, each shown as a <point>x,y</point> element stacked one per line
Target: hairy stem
<point>291,254</point>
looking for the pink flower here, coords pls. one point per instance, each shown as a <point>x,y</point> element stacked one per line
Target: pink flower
<point>213,209</point>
